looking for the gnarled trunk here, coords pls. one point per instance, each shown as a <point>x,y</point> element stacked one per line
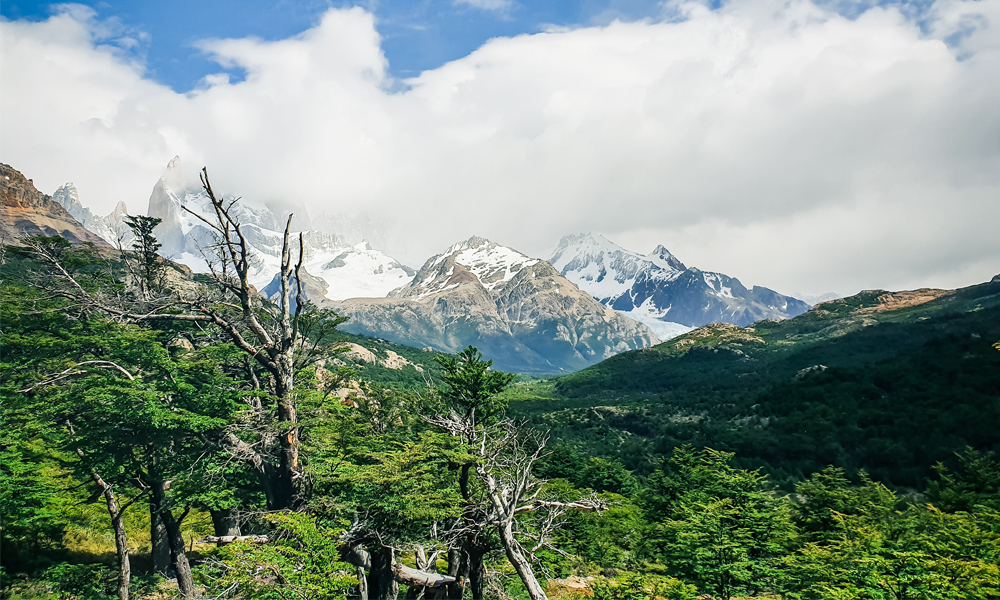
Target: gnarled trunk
<point>518,560</point>
<point>381,579</point>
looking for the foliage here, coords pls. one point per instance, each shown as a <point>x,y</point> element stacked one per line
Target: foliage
<point>471,386</point>
<point>150,271</point>
<point>304,562</point>
<point>634,586</point>
<point>920,552</point>
<point>715,525</point>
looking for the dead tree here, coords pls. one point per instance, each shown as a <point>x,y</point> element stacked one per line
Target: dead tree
<point>270,336</point>
<point>504,454</point>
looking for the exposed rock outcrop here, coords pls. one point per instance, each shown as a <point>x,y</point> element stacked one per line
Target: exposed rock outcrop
<point>26,211</point>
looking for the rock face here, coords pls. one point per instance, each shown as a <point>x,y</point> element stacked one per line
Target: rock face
<point>111,228</point>
<point>25,210</point>
<point>659,290</point>
<point>517,310</point>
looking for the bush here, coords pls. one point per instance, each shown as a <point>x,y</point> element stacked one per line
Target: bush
<point>635,586</point>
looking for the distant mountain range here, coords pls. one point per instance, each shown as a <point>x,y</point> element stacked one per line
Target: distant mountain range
<point>591,300</point>
<point>659,290</point>
<point>517,310</point>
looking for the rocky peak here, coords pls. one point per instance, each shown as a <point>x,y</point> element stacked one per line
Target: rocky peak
<point>474,261</point>
<point>663,257</point>
<point>26,210</point>
<point>165,203</point>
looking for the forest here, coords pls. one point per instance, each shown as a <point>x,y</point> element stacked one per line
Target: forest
<point>167,435</point>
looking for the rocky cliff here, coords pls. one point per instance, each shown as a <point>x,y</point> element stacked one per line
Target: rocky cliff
<point>26,211</point>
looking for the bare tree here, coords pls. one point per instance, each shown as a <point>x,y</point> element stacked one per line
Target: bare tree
<point>504,454</point>
<point>270,335</point>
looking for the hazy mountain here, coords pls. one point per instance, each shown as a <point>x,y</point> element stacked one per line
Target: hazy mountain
<point>518,310</point>
<point>347,270</point>
<point>659,290</point>
<point>111,228</point>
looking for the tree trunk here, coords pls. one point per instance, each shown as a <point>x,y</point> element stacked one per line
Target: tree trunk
<point>182,567</point>
<point>362,584</point>
<point>121,548</point>
<point>477,571</point>
<point>520,563</point>
<point>226,522</point>
<point>457,589</point>
<point>381,579</point>
<point>160,545</point>
<point>121,539</point>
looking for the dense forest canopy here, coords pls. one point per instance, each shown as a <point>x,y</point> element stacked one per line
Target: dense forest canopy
<point>165,435</point>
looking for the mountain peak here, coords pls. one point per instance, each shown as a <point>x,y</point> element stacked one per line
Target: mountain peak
<point>665,259</point>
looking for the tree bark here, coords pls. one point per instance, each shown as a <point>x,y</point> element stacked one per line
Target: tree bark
<point>182,567</point>
<point>477,570</point>
<point>456,589</point>
<point>226,522</point>
<point>520,563</point>
<point>121,537</point>
<point>381,578</point>
<point>160,545</point>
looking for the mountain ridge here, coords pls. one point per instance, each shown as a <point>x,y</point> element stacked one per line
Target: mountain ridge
<point>518,310</point>
<point>660,290</point>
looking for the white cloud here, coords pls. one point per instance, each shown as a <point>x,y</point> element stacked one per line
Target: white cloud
<point>498,5</point>
<point>777,142</point>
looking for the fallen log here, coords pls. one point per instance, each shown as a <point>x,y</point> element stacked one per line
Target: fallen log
<point>229,539</point>
<point>413,577</point>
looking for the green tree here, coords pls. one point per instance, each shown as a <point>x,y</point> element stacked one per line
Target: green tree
<point>472,387</point>
<point>302,561</point>
<point>148,269</point>
<point>715,526</point>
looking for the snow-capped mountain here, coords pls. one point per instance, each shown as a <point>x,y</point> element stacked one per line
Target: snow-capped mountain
<point>659,290</point>
<point>111,228</point>
<point>348,270</point>
<point>518,310</point>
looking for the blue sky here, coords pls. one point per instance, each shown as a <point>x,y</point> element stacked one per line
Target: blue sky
<point>417,35</point>
<point>805,145</point>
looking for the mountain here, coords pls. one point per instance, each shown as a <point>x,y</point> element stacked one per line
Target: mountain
<point>25,210</point>
<point>347,270</point>
<point>517,310</point>
<point>659,290</point>
<point>889,381</point>
<point>111,228</point>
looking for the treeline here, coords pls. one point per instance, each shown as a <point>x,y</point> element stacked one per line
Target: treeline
<point>144,412</point>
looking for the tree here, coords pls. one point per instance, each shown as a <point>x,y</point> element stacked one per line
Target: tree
<point>271,336</point>
<point>495,478</point>
<point>147,268</point>
<point>715,525</point>
<point>135,417</point>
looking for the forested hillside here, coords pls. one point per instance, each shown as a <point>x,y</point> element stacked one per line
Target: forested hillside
<point>165,435</point>
<point>888,382</point>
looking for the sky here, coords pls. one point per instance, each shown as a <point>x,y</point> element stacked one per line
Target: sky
<point>805,146</point>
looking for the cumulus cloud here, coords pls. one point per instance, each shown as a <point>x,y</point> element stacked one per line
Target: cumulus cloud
<point>779,142</point>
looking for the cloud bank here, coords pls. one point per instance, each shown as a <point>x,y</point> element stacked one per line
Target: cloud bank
<point>778,142</point>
